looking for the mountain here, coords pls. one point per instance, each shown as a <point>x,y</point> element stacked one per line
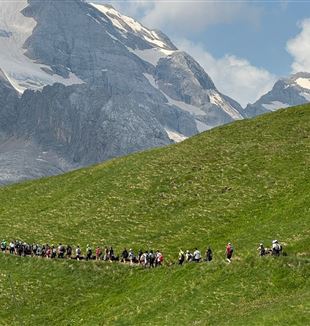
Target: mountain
<point>85,84</point>
<point>246,183</point>
<point>286,92</point>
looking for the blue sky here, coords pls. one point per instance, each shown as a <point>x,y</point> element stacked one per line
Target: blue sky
<point>243,45</point>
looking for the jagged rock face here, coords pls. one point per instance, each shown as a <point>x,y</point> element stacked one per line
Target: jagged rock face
<point>181,78</point>
<point>88,84</point>
<point>89,124</point>
<point>8,105</point>
<point>286,92</point>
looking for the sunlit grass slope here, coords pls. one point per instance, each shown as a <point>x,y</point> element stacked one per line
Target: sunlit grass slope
<point>246,182</point>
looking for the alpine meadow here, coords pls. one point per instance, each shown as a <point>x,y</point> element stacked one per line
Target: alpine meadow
<point>246,183</point>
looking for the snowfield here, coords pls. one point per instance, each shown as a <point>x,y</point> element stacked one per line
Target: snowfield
<point>21,71</point>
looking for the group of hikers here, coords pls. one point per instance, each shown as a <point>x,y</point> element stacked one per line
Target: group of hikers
<point>145,258</point>
<point>19,248</point>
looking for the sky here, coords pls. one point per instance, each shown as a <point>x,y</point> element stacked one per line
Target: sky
<point>245,46</point>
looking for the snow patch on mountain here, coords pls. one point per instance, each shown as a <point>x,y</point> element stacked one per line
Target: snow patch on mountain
<point>21,71</point>
<point>128,24</point>
<point>152,55</point>
<point>175,136</point>
<point>303,82</point>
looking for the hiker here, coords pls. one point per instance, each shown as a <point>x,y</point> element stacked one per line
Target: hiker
<point>140,253</point>
<point>20,249</point>
<point>209,254</point>
<point>78,253</point>
<point>124,256</point>
<point>61,251</point>
<point>69,251</point>
<point>26,249</point>
<point>111,254</point>
<point>276,248</point>
<point>197,255</point>
<point>48,251</point>
<point>89,252</point>
<point>39,251</point>
<point>261,249</point>
<point>159,258</point>
<point>34,249</point>
<point>131,256</point>
<point>181,257</point>
<point>144,259</point>
<point>152,259</point>
<point>229,252</point>
<point>43,251</point>
<point>3,246</point>
<point>98,253</point>
<point>188,256</point>
<point>54,252</point>
<point>12,247</point>
<point>106,253</point>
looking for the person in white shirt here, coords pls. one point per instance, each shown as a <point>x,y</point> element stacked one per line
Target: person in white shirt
<point>197,255</point>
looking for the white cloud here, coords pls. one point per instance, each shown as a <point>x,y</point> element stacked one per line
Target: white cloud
<point>299,48</point>
<point>189,16</point>
<point>233,76</point>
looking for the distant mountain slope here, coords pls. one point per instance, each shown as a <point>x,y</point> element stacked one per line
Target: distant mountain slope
<point>286,92</point>
<point>121,87</point>
<point>246,183</point>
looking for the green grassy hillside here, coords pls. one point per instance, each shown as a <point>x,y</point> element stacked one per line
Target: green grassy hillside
<point>246,182</point>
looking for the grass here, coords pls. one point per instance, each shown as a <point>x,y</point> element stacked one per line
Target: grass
<point>246,182</point>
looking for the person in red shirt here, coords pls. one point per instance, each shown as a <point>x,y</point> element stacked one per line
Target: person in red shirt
<point>229,252</point>
<point>98,253</point>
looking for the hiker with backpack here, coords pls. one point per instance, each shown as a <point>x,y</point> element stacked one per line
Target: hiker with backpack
<point>78,253</point>
<point>261,250</point>
<point>144,259</point>
<point>188,256</point>
<point>48,252</point>
<point>61,251</point>
<point>89,253</point>
<point>152,259</point>
<point>229,252</point>
<point>39,251</point>
<point>276,248</point>
<point>12,247</point>
<point>111,254</point>
<point>54,252</point>
<point>132,257</point>
<point>197,256</point>
<point>159,258</point>
<point>68,252</point>
<point>3,246</point>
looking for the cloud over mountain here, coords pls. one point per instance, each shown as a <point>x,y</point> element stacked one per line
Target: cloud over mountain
<point>234,76</point>
<point>299,48</point>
